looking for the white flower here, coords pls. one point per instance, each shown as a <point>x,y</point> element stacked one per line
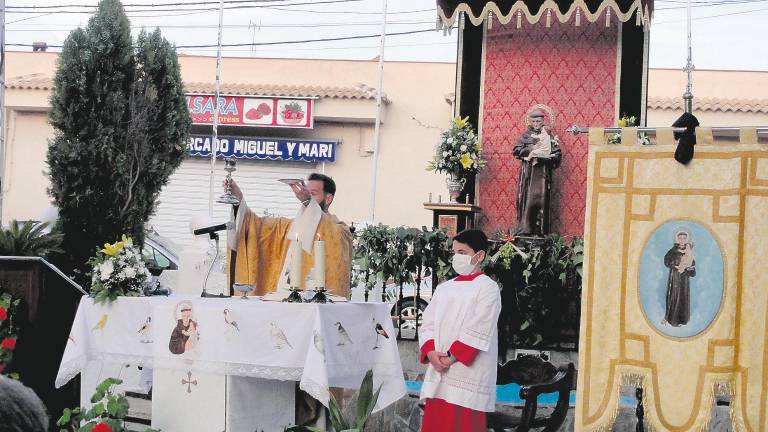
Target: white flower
<point>445,153</point>
<point>463,147</point>
<point>129,272</point>
<point>449,140</point>
<point>106,268</point>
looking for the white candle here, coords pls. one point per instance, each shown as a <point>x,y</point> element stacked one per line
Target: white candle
<point>319,256</point>
<point>295,274</point>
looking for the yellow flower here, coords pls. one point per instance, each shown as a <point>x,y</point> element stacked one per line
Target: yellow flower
<point>466,160</point>
<point>460,122</point>
<point>623,122</point>
<point>112,249</point>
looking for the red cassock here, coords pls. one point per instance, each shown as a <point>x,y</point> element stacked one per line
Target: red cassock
<point>442,416</point>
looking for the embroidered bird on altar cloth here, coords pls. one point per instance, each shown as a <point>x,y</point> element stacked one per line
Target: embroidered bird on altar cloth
<point>101,323</point>
<point>343,335</point>
<point>144,331</point>
<point>279,341</point>
<point>318,341</point>
<point>379,332</point>
<point>231,324</point>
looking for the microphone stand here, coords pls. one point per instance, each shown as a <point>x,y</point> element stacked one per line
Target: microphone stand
<point>214,236</point>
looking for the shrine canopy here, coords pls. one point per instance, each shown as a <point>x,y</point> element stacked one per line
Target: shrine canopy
<point>545,11</point>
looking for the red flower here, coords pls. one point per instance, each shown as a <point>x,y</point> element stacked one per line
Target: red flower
<point>3,314</point>
<point>101,427</point>
<point>8,343</point>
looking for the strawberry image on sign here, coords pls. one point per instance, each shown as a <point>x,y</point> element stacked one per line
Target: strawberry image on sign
<point>264,109</point>
<point>253,114</point>
<point>292,113</point>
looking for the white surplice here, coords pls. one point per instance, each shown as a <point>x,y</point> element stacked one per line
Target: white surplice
<point>464,311</point>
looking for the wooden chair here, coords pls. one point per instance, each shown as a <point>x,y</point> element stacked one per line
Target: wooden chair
<point>548,379</point>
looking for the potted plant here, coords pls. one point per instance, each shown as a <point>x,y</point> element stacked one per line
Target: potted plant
<point>366,400</point>
<point>458,154</point>
<point>631,121</point>
<point>29,238</point>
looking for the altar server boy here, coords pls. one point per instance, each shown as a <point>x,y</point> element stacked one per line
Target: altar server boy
<point>459,340</point>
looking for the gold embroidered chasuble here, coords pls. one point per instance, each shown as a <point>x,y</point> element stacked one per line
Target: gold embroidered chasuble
<point>262,245</point>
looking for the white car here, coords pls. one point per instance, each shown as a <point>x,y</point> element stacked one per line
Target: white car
<point>409,306</point>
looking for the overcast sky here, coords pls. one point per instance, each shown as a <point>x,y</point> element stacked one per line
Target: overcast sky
<point>728,35</point>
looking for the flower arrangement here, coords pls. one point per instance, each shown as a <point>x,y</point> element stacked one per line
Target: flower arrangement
<point>642,137</point>
<point>458,152</point>
<point>8,331</point>
<point>118,269</point>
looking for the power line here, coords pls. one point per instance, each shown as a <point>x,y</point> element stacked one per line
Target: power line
<point>157,8</point>
<point>128,5</point>
<point>213,26</point>
<point>291,42</point>
<point>713,4</point>
<point>713,16</point>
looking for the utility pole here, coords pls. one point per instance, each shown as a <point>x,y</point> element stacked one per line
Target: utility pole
<point>2,104</point>
<point>377,126</point>
<point>216,92</point>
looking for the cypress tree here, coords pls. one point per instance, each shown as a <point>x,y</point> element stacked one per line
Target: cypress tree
<point>120,130</point>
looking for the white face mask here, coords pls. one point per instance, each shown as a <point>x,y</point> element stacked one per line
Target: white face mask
<point>462,264</point>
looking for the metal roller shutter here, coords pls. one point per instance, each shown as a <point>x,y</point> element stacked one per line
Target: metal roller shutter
<point>186,194</point>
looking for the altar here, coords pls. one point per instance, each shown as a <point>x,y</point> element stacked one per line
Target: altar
<point>230,364</point>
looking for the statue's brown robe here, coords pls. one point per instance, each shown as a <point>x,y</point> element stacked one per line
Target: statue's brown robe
<point>262,247</point>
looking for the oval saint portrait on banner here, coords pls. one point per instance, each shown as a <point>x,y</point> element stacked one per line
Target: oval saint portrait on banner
<point>681,280</point>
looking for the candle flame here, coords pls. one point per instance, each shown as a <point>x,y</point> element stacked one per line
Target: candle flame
<point>318,237</point>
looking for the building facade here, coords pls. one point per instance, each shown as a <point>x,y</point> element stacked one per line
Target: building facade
<point>417,104</point>
<point>414,109</point>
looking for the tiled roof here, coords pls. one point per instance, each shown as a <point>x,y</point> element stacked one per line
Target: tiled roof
<point>30,82</point>
<point>357,91</point>
<point>711,104</point>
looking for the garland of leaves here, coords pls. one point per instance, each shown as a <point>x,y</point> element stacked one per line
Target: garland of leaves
<point>9,332</point>
<point>382,253</point>
<point>541,289</point>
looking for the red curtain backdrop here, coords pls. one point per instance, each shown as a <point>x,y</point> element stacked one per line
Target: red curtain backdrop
<point>572,70</point>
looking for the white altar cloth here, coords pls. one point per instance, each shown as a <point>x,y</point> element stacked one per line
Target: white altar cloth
<point>318,345</point>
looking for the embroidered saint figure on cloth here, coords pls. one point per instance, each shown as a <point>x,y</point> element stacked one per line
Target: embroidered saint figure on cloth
<point>682,267</point>
<point>185,335</point>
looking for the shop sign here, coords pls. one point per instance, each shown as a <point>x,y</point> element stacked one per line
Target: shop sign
<point>288,149</point>
<point>252,111</point>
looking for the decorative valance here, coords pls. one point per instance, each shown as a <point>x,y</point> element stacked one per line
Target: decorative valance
<point>534,11</point>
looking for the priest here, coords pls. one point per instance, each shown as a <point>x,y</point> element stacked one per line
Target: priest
<point>262,248</point>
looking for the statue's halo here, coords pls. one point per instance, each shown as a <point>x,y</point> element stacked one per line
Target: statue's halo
<point>549,115</point>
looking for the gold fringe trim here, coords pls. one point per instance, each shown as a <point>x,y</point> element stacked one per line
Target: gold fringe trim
<point>519,8</point>
<point>636,379</point>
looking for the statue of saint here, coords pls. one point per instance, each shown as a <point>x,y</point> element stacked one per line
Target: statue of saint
<point>539,151</point>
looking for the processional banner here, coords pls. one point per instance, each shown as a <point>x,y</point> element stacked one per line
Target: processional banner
<point>675,296</point>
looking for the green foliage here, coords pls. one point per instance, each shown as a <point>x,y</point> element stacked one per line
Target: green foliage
<point>542,289</point>
<point>120,130</point>
<point>108,408</point>
<point>382,253</point>
<point>366,401</point>
<point>29,239</point>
